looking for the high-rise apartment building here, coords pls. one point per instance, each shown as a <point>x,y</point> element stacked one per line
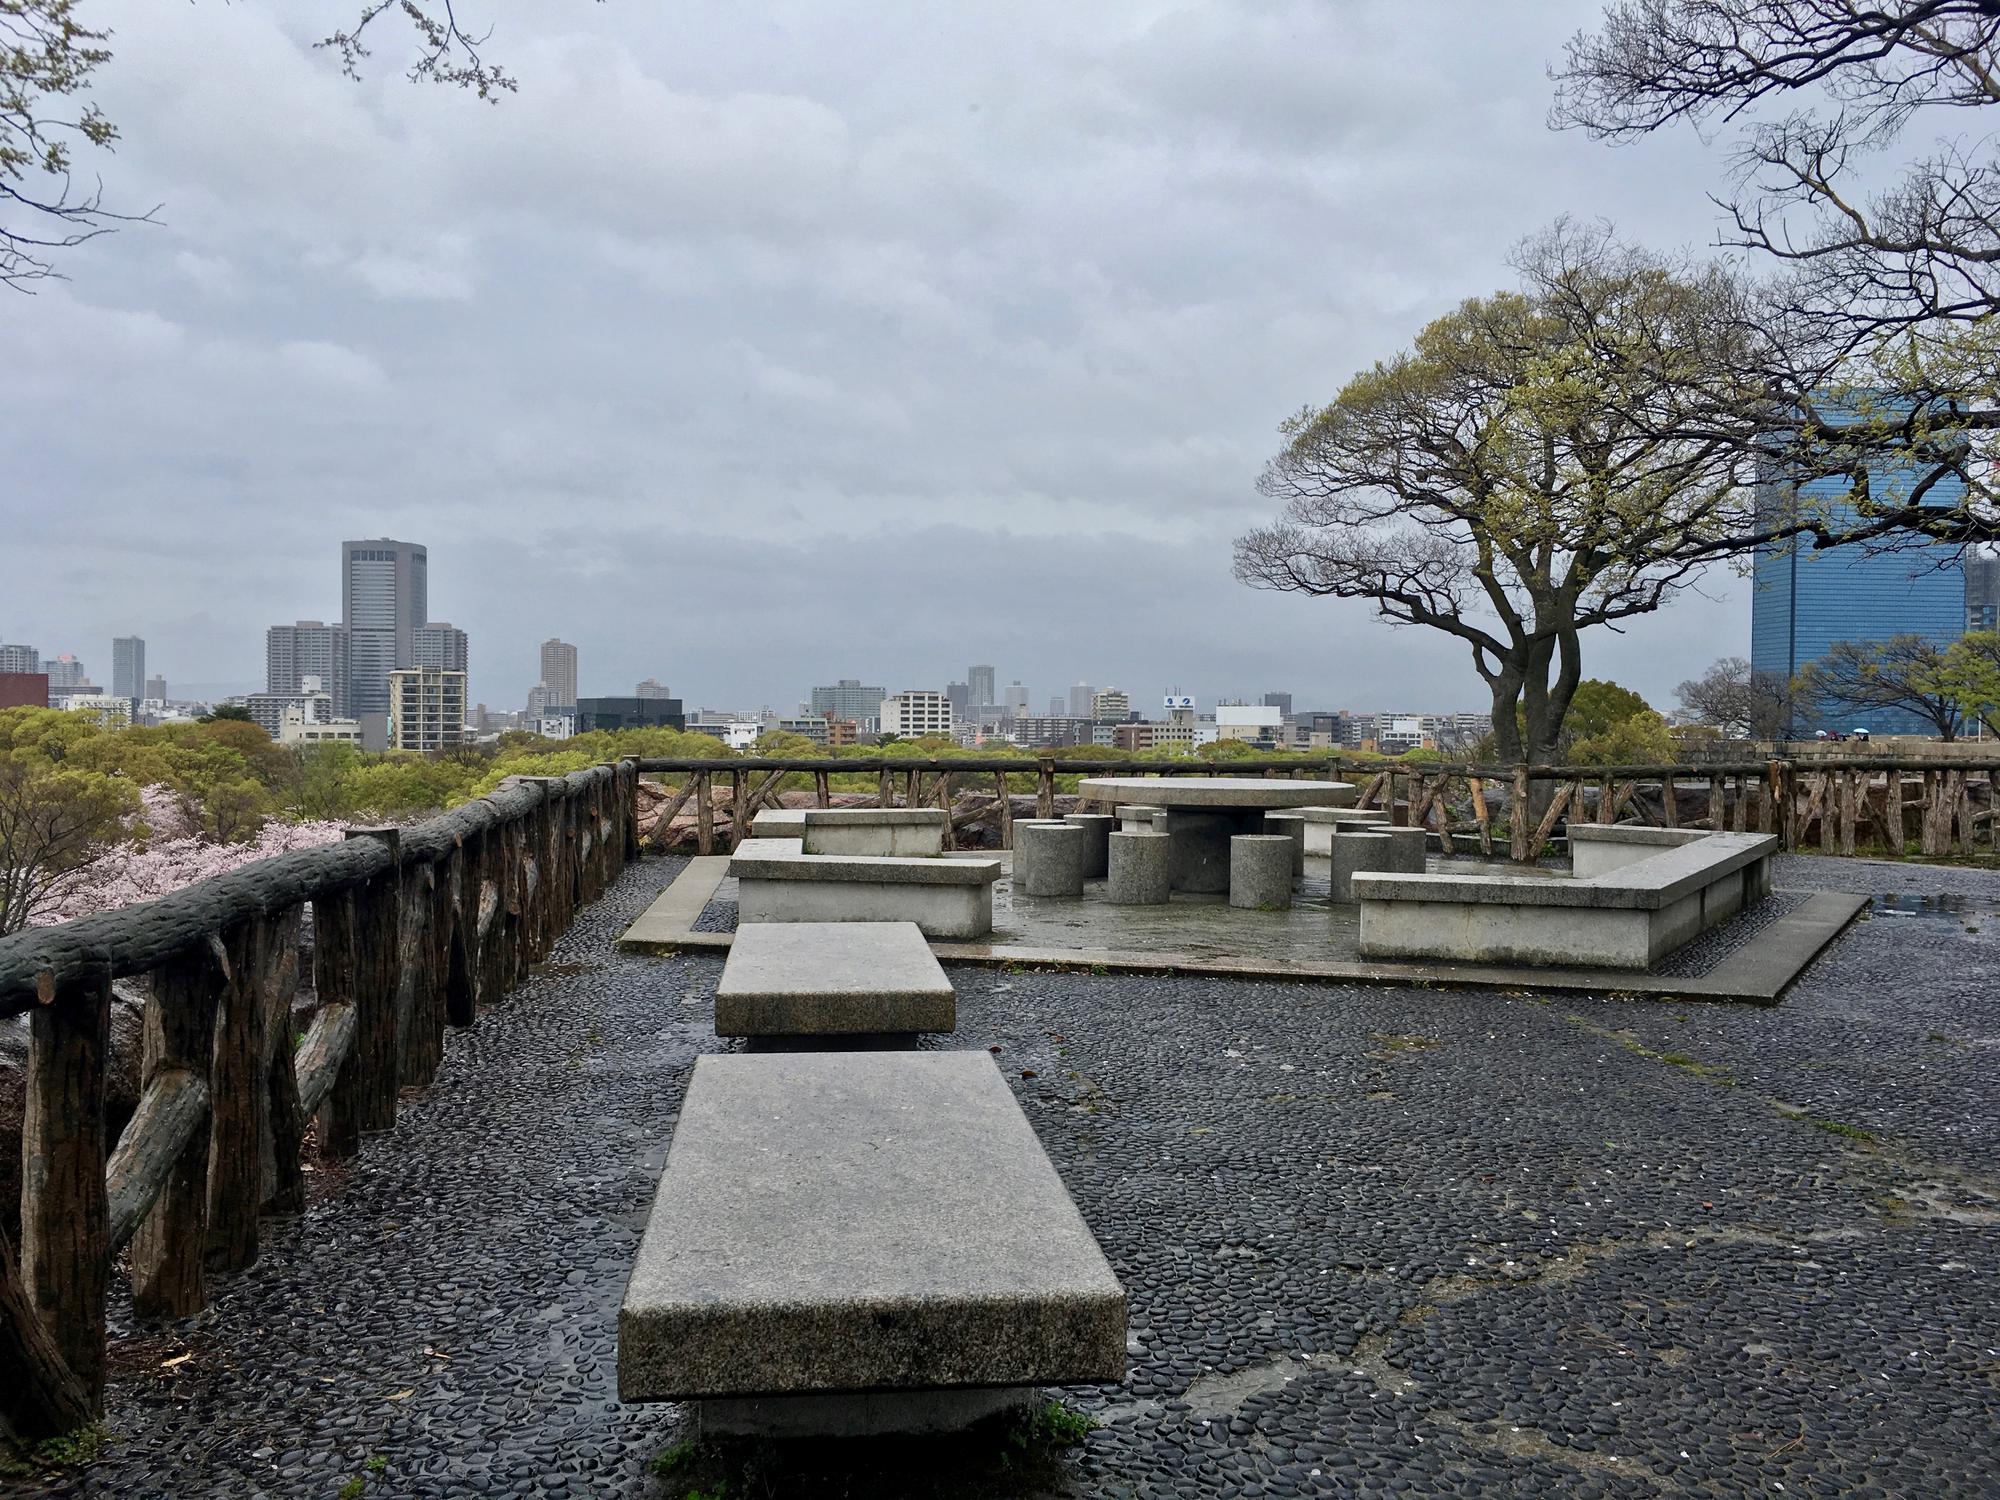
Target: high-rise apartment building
<point>979,687</point>
<point>426,708</point>
<point>20,659</point>
<point>384,602</point>
<point>156,689</point>
<point>65,671</point>
<point>1080,694</point>
<point>1282,702</point>
<point>310,648</point>
<point>652,687</point>
<point>1017,700</point>
<point>128,667</point>
<point>849,699</point>
<point>442,646</point>
<point>1112,704</point>
<point>961,699</point>
<point>1982,591</point>
<point>559,674</point>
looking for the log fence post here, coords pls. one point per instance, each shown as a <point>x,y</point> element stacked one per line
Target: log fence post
<point>378,963</point>
<point>1517,817</point>
<point>1045,790</point>
<point>704,815</point>
<point>338,1124</point>
<point>238,1097</point>
<point>168,1250</point>
<point>65,1216</point>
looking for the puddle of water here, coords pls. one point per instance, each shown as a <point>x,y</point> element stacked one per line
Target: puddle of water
<point>1948,907</point>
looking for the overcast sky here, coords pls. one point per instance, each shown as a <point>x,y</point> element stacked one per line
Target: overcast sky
<point>749,347</point>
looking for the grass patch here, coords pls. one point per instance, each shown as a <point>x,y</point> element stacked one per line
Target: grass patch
<point>1015,1455</point>
<point>1839,1127</point>
<point>69,1450</point>
<point>352,1489</point>
<point>1403,1041</point>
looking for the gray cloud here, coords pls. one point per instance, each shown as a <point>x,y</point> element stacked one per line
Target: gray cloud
<point>746,349</point>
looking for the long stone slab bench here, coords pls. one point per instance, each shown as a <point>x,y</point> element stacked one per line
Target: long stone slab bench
<point>1619,915</point>
<point>947,898</point>
<point>832,979</point>
<point>854,1242</point>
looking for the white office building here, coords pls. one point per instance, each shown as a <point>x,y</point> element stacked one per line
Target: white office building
<point>916,711</point>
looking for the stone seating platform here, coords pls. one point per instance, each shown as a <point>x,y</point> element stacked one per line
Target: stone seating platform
<point>845,1243</point>
<point>1631,899</point>
<point>832,979</point>
<point>945,897</point>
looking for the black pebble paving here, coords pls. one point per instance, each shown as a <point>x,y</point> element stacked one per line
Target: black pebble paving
<point>1377,1241</point>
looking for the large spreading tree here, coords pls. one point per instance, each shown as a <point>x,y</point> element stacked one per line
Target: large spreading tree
<point>1883,353</point>
<point>1539,463</point>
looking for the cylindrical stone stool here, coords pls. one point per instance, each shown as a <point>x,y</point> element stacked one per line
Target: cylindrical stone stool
<point>1056,854</point>
<point>1322,823</point>
<point>1140,869</point>
<point>1406,849</point>
<point>1353,853</point>
<point>1293,823</point>
<point>1024,849</point>
<point>1260,871</point>
<point>1100,827</point>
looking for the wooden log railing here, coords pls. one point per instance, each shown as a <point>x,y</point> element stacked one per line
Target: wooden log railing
<point>1828,803</point>
<point>414,929</point>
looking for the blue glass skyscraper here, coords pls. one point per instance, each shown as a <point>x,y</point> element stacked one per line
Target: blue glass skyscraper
<point>1804,601</point>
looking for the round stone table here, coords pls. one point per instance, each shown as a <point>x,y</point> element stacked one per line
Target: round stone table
<point>1205,812</point>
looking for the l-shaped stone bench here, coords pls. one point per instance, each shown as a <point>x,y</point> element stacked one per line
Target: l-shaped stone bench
<point>946,897</point>
<point>845,1243</point>
<point>880,831</point>
<point>1634,896</point>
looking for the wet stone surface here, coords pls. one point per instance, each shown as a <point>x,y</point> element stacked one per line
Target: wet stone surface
<point>1377,1241</point>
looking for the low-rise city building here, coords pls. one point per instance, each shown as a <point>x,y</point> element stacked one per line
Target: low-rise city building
<point>426,708</point>
<point>295,727</point>
<point>915,712</point>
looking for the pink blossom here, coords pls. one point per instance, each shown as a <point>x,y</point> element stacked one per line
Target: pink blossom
<point>130,874</point>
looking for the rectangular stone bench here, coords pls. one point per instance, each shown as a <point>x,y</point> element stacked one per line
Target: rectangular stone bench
<point>832,979</point>
<point>876,830</point>
<point>850,1242</point>
<point>1622,916</point>
<point>947,898</point>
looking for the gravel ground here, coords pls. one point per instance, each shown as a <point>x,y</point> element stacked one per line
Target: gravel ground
<point>1377,1241</point>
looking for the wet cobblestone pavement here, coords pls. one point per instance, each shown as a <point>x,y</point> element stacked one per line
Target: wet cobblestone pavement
<point>1377,1241</point>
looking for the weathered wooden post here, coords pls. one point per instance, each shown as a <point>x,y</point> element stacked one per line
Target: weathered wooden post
<point>885,795</point>
<point>1045,790</point>
<point>1477,790</point>
<point>378,961</point>
<point>822,789</point>
<point>238,1098</point>
<point>1006,809</point>
<point>704,815</point>
<point>65,1246</point>
<point>171,1242</point>
<point>338,1125</point>
<point>1517,817</point>
<point>41,1396</point>
<point>419,1023</point>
